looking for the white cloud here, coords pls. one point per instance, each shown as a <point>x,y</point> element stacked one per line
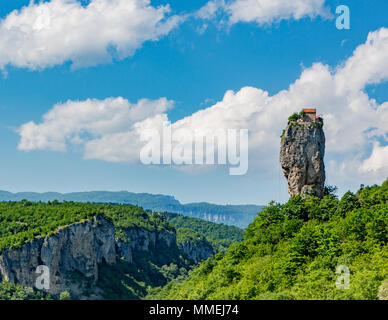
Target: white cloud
<point>91,123</point>
<point>354,122</point>
<point>46,34</point>
<point>378,160</point>
<point>264,11</point>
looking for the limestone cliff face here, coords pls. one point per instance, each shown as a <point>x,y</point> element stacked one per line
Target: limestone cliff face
<point>383,290</point>
<point>74,254</point>
<point>79,247</point>
<point>301,157</point>
<point>196,251</point>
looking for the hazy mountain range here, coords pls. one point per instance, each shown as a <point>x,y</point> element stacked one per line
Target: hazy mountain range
<point>237,215</point>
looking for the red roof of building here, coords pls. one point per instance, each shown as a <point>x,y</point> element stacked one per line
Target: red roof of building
<point>310,110</point>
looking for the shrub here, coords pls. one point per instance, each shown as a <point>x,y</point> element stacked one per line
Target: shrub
<point>65,295</point>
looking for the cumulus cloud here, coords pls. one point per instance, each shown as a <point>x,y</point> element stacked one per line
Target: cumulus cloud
<point>378,161</point>
<point>354,122</point>
<point>263,11</point>
<point>46,34</point>
<point>93,124</point>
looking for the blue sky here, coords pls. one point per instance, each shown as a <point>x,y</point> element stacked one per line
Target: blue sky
<point>194,64</point>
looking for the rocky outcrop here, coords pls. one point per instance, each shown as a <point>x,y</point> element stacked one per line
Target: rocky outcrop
<point>78,248</point>
<point>74,252</point>
<point>235,215</point>
<point>383,290</point>
<point>196,251</point>
<point>158,241</point>
<point>301,157</point>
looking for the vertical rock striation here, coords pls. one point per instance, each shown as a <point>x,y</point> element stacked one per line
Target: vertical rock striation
<point>196,251</point>
<point>301,157</point>
<point>73,254</point>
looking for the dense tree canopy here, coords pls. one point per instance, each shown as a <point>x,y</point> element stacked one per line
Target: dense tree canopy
<point>10,291</point>
<point>23,221</point>
<point>292,251</point>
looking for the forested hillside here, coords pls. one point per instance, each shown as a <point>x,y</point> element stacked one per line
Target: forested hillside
<point>238,215</point>
<point>219,235</point>
<point>153,259</point>
<point>149,263</point>
<point>292,251</point>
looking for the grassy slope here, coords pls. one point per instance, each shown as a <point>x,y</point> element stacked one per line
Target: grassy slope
<point>292,252</point>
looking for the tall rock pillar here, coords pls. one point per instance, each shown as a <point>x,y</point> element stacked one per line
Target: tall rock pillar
<point>301,155</point>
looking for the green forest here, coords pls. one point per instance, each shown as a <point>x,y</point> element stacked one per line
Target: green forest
<point>10,291</point>
<point>23,221</point>
<point>290,251</point>
<point>220,236</point>
<point>293,250</point>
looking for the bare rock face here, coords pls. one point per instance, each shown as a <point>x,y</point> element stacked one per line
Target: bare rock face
<point>73,255</point>
<point>196,250</point>
<point>301,157</point>
<point>74,252</point>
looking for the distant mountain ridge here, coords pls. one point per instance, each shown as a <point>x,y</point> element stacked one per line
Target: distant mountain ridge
<point>236,215</point>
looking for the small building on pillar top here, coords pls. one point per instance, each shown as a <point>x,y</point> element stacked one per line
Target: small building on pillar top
<point>310,115</point>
